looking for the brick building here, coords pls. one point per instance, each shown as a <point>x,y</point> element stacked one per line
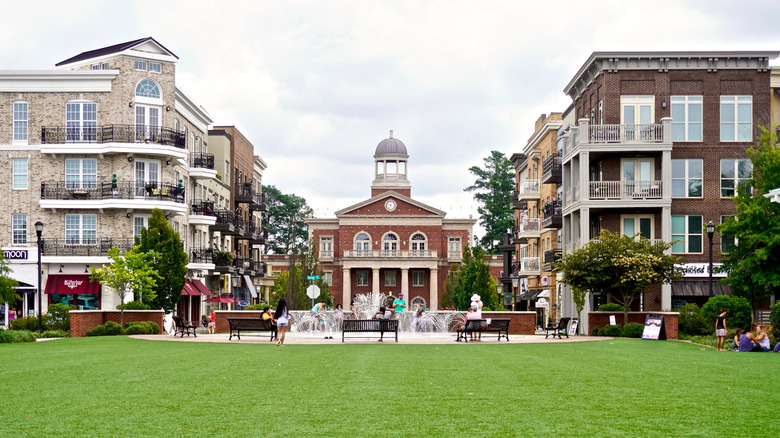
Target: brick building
<point>657,151</point>
<point>390,242</point>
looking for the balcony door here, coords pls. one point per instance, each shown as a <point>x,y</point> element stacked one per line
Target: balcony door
<point>637,175</point>
<point>637,110</point>
<point>147,123</point>
<point>634,225</point>
<point>147,177</point>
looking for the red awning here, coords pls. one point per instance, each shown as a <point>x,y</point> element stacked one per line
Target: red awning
<point>195,288</point>
<point>71,285</point>
<point>220,299</point>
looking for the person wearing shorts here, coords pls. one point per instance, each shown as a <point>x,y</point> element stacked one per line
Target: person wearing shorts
<point>720,329</point>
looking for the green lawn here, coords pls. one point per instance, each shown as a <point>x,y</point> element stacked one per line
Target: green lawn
<point>116,386</point>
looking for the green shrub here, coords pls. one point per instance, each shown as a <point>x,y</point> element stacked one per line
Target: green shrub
<point>142,328</point>
<point>692,322</point>
<point>610,307</point>
<point>260,306</point>
<point>740,313</point>
<point>29,323</point>
<point>108,329</point>
<point>97,331</point>
<point>16,336</point>
<point>595,331</point>
<point>633,330</point>
<point>54,334</point>
<point>774,319</point>
<point>614,331</point>
<point>135,305</point>
<point>154,329</point>
<point>58,317</point>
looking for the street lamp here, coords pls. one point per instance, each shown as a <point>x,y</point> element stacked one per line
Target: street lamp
<point>515,279</point>
<point>710,232</point>
<point>235,280</point>
<point>38,232</point>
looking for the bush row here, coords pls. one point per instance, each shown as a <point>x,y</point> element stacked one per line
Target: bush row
<point>131,328</point>
<point>630,330</point>
<point>695,321</point>
<point>16,336</point>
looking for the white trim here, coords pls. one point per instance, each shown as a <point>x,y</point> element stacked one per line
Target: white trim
<point>194,113</point>
<point>50,81</point>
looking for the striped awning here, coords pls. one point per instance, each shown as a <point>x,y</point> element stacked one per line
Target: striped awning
<point>68,284</point>
<point>698,289</point>
<point>195,288</point>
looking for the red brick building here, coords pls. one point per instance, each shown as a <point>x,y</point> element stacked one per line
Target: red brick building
<point>390,242</point>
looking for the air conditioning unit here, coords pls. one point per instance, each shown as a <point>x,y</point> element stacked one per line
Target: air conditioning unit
<point>545,281</point>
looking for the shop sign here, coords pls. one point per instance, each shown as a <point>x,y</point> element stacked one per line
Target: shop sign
<point>15,254</point>
<point>701,270</point>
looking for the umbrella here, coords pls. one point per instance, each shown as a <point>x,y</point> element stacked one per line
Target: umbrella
<point>220,299</point>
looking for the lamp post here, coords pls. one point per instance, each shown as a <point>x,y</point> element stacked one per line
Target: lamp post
<point>710,233</point>
<point>515,280</point>
<point>38,232</point>
<point>235,280</point>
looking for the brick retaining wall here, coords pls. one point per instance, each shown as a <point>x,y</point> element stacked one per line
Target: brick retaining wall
<point>601,319</point>
<point>82,321</point>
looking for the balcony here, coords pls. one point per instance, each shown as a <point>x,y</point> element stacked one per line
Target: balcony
<point>259,268</point>
<point>62,250</point>
<point>244,193</point>
<point>552,215</point>
<point>201,259</point>
<point>403,254</point>
<point>223,264</point>
<point>225,223</point>
<point>259,202</point>
<point>202,166</point>
<point>117,139</point>
<point>202,213</point>
<point>527,228</point>
<point>549,259</point>
<point>551,170</point>
<point>261,237</point>
<point>529,266</point>
<point>625,190</point>
<point>631,138</point>
<point>243,266</point>
<point>250,231</point>
<point>516,203</point>
<point>528,190</point>
<point>101,195</point>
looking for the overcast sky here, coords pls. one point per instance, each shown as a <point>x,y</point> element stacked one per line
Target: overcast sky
<point>316,85</point>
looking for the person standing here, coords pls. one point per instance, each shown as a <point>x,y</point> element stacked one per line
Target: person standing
<point>382,315</point>
<point>720,329</point>
<point>399,304</point>
<point>282,317</point>
<point>212,322</point>
<point>318,312</point>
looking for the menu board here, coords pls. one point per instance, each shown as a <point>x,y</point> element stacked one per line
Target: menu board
<point>654,328</point>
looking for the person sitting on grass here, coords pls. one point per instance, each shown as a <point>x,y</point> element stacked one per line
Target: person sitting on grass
<point>381,314</point>
<point>762,340</point>
<point>735,343</point>
<point>267,316</point>
<point>747,340</point>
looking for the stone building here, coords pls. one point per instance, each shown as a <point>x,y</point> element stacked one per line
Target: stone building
<point>390,242</point>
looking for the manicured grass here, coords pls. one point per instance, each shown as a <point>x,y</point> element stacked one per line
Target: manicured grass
<point>116,386</point>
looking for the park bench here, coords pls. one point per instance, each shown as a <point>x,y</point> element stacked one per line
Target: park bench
<point>558,329</point>
<point>500,325</point>
<point>369,326</point>
<point>184,327</point>
<point>239,325</point>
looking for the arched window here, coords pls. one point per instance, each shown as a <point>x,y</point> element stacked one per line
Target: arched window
<point>362,242</point>
<point>390,242</point>
<point>415,302</point>
<point>418,243</point>
<point>147,88</point>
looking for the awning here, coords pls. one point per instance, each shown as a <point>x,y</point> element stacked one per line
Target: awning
<point>195,288</point>
<point>250,286</point>
<point>545,294</point>
<point>220,299</point>
<point>530,295</point>
<point>67,284</point>
<point>698,289</point>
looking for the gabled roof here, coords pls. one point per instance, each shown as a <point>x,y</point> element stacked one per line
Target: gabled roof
<point>116,48</point>
<point>390,194</point>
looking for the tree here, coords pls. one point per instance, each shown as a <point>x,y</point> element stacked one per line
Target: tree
<point>293,287</point>
<point>171,264</point>
<point>129,272</point>
<point>752,262</point>
<point>284,221</point>
<point>619,265</point>
<point>493,191</point>
<point>473,277</point>
<point>7,284</point>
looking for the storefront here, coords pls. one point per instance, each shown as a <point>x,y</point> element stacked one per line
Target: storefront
<point>75,290</point>
<point>695,286</point>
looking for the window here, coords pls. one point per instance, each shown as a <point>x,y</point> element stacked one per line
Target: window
<point>686,118</point>
<point>80,173</point>
<point>155,67</point>
<point>390,277</point>
<point>147,88</point>
<point>95,66</point>
<point>686,178</point>
<point>19,173</point>
<point>140,65</point>
<point>736,118</point>
<point>687,234</point>
<point>418,278</point>
<point>141,221</point>
<point>362,242</point>
<point>454,248</point>
<point>390,242</point>
<point>638,176</point>
<point>80,121</point>
<point>727,243</point>
<point>362,278</point>
<point>20,121</point>
<point>104,66</point>
<point>19,228</point>
<point>80,229</point>
<point>734,175</point>
<point>636,225</point>
<point>326,246</point>
<point>227,171</point>
<point>327,277</point>
<point>418,243</point>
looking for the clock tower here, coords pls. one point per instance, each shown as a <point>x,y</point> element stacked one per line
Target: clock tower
<point>390,169</point>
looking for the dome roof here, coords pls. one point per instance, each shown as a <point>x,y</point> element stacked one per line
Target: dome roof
<point>391,146</point>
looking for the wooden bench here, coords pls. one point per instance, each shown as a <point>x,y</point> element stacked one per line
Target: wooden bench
<point>369,326</point>
<point>500,325</point>
<point>239,325</point>
<point>184,327</point>
<point>558,329</point>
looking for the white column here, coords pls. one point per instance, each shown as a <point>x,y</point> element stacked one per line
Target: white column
<point>433,300</point>
<point>375,281</point>
<point>666,175</point>
<point>405,284</point>
<point>346,289</point>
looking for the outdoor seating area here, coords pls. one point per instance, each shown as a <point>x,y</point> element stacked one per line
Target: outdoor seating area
<point>495,325</point>
<point>369,326</point>
<point>184,327</point>
<point>238,325</point>
<point>558,329</point>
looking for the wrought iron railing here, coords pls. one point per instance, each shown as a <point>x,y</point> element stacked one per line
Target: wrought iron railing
<point>203,160</point>
<point>552,209</point>
<point>202,255</point>
<point>205,208</point>
<point>112,190</point>
<point>550,256</point>
<point>84,247</point>
<point>553,162</point>
<point>113,134</point>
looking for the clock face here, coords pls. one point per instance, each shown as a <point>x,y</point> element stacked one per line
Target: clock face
<point>390,205</point>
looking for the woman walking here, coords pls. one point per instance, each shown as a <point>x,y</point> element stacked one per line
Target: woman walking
<point>282,317</point>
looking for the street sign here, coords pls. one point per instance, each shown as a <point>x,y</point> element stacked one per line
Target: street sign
<point>312,277</point>
<point>313,291</point>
